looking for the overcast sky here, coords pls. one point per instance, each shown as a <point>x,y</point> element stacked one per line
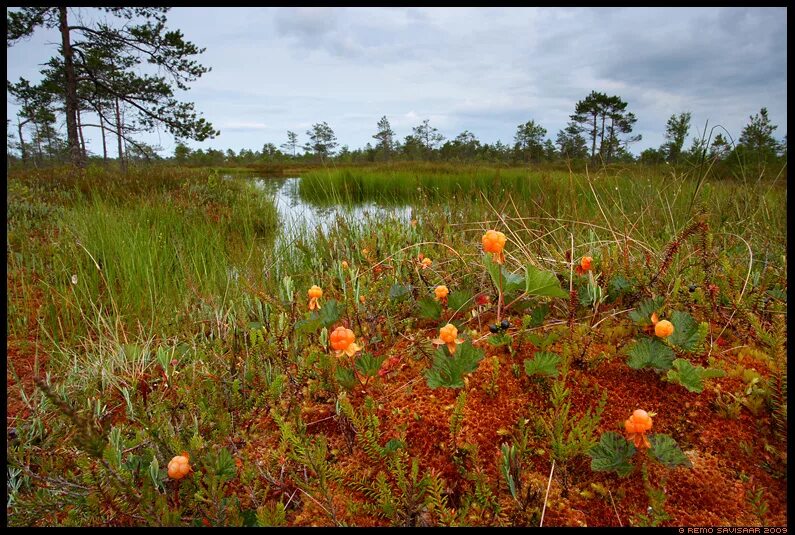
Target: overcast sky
<point>485,70</point>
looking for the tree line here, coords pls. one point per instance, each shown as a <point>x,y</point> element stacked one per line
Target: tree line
<point>594,134</point>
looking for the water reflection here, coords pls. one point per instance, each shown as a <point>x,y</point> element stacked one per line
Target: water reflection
<point>295,213</point>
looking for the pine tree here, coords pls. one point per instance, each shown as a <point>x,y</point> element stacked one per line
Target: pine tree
<point>385,137</point>
<point>676,130</point>
<point>108,57</point>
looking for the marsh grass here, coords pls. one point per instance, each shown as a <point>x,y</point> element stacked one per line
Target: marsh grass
<point>395,184</point>
<point>648,203</point>
<point>141,247</point>
<point>147,244</point>
<point>143,259</point>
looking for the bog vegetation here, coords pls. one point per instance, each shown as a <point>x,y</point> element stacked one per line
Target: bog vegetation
<point>559,334</point>
<point>532,347</point>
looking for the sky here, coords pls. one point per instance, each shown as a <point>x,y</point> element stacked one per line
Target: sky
<point>486,70</point>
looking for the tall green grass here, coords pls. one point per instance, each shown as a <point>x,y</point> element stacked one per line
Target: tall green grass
<point>390,184</point>
<point>140,250</point>
<point>152,245</point>
<point>144,260</point>
<point>652,203</point>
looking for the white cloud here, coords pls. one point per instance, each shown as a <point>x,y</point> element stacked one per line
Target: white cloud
<point>485,70</point>
<point>236,125</point>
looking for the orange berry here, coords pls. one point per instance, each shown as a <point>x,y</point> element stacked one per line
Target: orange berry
<point>493,241</point>
<point>341,338</point>
<point>585,263</point>
<point>426,262</point>
<point>315,291</point>
<point>664,328</point>
<point>178,467</point>
<point>636,427</point>
<point>641,416</point>
<point>441,292</point>
<point>344,264</point>
<point>630,426</point>
<point>448,333</point>
<point>640,422</point>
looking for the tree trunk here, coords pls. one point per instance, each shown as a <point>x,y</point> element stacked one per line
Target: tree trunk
<point>602,137</point>
<point>50,152</point>
<point>102,127</point>
<point>122,164</point>
<point>80,134</point>
<point>124,141</point>
<point>21,142</point>
<point>593,137</point>
<point>38,158</point>
<point>612,139</point>
<point>71,92</point>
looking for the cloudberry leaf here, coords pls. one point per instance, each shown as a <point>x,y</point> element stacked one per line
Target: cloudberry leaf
<point>642,313</point>
<point>612,454</point>
<point>429,308</point>
<point>449,371</point>
<point>688,334</point>
<point>650,353</point>
<point>691,377</point>
<point>665,449</point>
<point>368,364</point>
<point>542,283</point>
